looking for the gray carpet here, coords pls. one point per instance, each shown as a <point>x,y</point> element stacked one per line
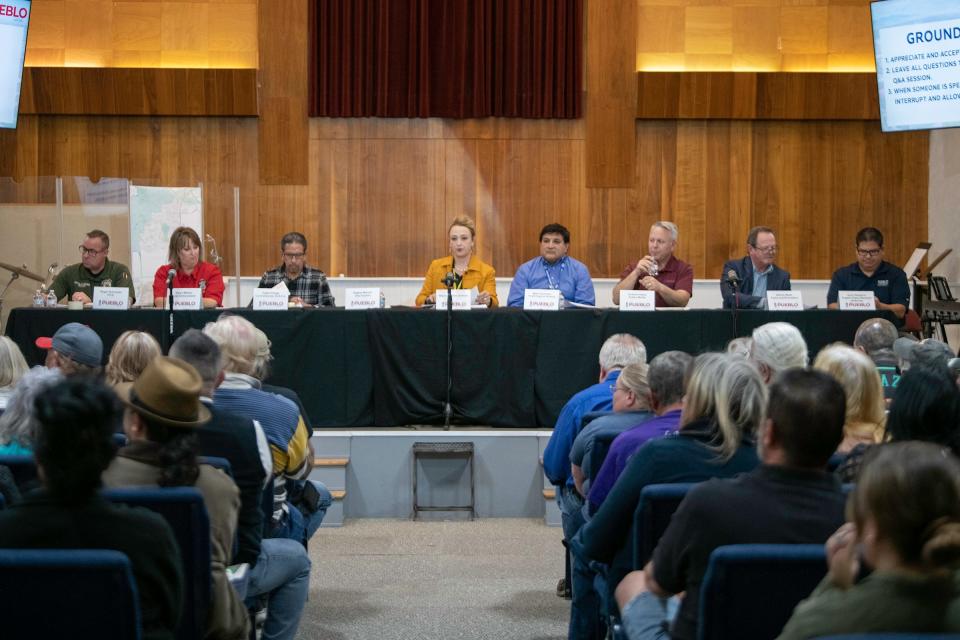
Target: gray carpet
<point>397,579</point>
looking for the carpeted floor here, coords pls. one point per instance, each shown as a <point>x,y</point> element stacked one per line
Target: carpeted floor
<point>397,579</point>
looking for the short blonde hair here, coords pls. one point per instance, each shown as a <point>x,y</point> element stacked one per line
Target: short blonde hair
<point>262,359</point>
<point>130,355</point>
<point>237,339</point>
<point>464,221</point>
<point>857,374</point>
<point>633,377</point>
<point>12,363</point>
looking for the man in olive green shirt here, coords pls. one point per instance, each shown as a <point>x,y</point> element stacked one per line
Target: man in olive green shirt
<point>77,281</point>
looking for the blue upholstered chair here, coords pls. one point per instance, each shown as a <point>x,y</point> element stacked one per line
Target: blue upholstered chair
<point>40,590</point>
<point>750,590</point>
<point>652,516</point>
<point>184,511</point>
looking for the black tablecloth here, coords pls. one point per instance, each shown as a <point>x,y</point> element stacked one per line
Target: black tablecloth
<point>511,368</point>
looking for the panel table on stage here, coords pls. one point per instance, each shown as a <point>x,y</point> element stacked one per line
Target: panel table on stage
<point>511,368</point>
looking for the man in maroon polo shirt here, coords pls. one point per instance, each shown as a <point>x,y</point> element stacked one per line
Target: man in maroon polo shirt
<point>659,271</point>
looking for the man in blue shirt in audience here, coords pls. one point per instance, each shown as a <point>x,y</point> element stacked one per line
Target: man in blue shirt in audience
<point>553,269</point>
<point>872,273</point>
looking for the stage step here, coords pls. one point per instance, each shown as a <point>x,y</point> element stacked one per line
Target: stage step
<point>330,468</point>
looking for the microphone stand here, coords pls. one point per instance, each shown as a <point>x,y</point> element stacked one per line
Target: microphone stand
<point>447,407</point>
<point>736,306</point>
<point>169,334</point>
<point>13,276</point>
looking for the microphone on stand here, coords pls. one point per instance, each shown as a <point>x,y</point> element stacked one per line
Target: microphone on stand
<point>449,280</point>
<point>734,280</point>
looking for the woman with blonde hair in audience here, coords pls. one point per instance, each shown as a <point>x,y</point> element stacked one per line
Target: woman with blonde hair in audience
<point>904,521</point>
<point>130,355</point>
<point>856,373</point>
<point>12,368</point>
<point>466,269</point>
<point>724,405</point>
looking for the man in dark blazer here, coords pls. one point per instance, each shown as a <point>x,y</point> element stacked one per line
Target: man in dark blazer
<point>756,273</point>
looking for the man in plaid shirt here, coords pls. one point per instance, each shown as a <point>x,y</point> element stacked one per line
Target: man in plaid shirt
<point>308,286</point>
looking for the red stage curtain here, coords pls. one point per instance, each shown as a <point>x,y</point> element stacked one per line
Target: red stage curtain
<point>446,58</point>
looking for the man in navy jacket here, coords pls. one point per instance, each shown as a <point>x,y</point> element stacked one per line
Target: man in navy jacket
<point>756,273</point>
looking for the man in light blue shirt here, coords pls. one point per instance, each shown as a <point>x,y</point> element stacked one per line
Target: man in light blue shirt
<point>553,269</point>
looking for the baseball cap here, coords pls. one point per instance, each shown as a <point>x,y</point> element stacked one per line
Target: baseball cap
<point>77,342</point>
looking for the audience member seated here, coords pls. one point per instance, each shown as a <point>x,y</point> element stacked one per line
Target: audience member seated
<point>618,351</point>
<point>875,337</point>
<point>75,349</point>
<point>858,376</point>
<point>722,411</point>
<point>18,424</point>
<point>631,407</point>
<point>923,353</point>
<point>130,355</point>
<point>927,408</point>
<point>163,410</point>
<point>777,346</point>
<point>789,499</point>
<point>667,380</point>
<point>12,368</point>
<point>287,434</point>
<point>77,415</point>
<point>279,567</point>
<point>904,522</point>
<point>740,346</point>
<point>261,371</point>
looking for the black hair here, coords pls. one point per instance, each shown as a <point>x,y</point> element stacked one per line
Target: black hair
<point>294,237</point>
<point>200,351</point>
<point>178,453</point>
<point>870,234</point>
<point>74,442</point>
<point>807,408</point>
<point>926,407</point>
<point>554,227</point>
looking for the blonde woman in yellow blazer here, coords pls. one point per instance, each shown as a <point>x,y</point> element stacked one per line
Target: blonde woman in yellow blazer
<point>469,271</point>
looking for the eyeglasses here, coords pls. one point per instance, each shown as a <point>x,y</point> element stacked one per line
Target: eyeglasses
<point>772,249</point>
<point>89,252</point>
<point>614,388</point>
<point>869,253</point>
<point>294,256</point>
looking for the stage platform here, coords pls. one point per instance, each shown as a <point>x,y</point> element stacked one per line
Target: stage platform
<point>370,472</point>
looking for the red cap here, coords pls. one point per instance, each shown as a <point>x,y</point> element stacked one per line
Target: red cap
<point>44,343</point>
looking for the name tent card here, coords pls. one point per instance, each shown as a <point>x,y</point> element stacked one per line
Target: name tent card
<point>187,299</point>
<point>541,300</point>
<point>111,298</point>
<point>270,300</point>
<point>856,300</point>
<point>784,301</point>
<point>363,298</point>
<point>638,300</point>
<point>459,297</point>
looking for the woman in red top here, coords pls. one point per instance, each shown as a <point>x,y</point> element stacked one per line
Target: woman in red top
<point>192,272</point>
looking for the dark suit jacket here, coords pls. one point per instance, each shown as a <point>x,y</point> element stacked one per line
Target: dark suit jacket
<point>234,438</point>
<point>777,280</point>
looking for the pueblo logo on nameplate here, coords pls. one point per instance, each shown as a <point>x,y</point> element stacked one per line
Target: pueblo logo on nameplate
<point>111,298</point>
<point>270,300</point>
<point>187,299</point>
<point>541,300</point>
<point>857,300</point>
<point>784,301</point>
<point>632,300</point>
<point>459,297</point>
<point>363,298</point>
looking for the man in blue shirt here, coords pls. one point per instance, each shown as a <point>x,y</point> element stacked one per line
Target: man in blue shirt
<point>872,273</point>
<point>553,269</point>
<point>756,273</point>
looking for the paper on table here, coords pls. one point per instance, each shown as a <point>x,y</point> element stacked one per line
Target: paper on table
<point>281,286</point>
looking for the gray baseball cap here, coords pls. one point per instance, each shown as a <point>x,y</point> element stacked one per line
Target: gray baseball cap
<point>77,342</point>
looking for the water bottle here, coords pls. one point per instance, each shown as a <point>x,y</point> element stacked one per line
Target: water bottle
<point>51,298</point>
<point>383,299</point>
<point>38,298</point>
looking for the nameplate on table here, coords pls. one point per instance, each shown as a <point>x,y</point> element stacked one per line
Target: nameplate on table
<point>541,300</point>
<point>784,301</point>
<point>270,300</point>
<point>111,298</point>
<point>633,300</point>
<point>459,297</point>
<point>857,300</point>
<point>187,299</point>
<point>362,298</point>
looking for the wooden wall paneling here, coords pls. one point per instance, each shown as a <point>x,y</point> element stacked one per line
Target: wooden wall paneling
<point>19,153</point>
<point>741,183</point>
<point>284,128</point>
<point>611,92</point>
<point>719,224</point>
<point>692,170</point>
